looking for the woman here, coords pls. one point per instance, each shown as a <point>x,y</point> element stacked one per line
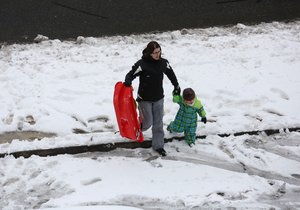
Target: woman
<point>151,69</point>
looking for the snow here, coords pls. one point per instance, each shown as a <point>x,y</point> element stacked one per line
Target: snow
<point>247,78</point>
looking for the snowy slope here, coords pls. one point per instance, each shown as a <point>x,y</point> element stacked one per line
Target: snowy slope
<point>247,77</point>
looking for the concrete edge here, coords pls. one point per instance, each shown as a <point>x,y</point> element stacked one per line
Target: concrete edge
<point>129,145</point>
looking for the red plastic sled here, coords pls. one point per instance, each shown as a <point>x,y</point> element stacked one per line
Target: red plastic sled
<point>127,117</point>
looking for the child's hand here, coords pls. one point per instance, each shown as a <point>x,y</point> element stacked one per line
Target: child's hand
<point>204,120</point>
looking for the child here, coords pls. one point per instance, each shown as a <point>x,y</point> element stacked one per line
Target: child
<point>186,117</point>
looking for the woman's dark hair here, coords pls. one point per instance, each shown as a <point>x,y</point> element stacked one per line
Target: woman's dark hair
<point>151,46</point>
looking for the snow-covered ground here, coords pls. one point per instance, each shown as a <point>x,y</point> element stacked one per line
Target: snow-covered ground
<point>247,77</point>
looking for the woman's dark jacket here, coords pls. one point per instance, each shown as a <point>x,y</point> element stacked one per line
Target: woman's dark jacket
<point>151,73</point>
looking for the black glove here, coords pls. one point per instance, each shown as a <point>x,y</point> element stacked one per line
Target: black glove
<point>176,90</point>
<point>204,120</point>
<point>127,84</point>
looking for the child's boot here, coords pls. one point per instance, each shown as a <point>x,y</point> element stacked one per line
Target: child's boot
<point>190,142</point>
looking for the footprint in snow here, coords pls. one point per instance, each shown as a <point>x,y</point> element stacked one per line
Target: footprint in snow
<point>281,93</point>
<point>94,124</point>
<point>273,111</point>
<point>91,181</point>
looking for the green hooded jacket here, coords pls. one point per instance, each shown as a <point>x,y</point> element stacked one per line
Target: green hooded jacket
<point>186,118</point>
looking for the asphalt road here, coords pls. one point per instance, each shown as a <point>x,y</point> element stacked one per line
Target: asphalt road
<point>22,21</point>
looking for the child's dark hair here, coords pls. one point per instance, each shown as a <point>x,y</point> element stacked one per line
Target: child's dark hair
<point>188,94</point>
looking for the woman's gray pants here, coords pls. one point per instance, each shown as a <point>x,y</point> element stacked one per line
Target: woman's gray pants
<point>152,115</point>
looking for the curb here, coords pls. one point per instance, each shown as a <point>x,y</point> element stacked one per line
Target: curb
<point>129,145</point>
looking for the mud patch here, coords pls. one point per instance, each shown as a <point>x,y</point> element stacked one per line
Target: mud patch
<point>7,137</point>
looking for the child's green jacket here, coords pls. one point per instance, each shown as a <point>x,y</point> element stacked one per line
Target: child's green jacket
<point>186,118</point>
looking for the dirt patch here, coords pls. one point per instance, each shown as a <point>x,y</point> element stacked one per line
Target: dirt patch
<point>7,137</point>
